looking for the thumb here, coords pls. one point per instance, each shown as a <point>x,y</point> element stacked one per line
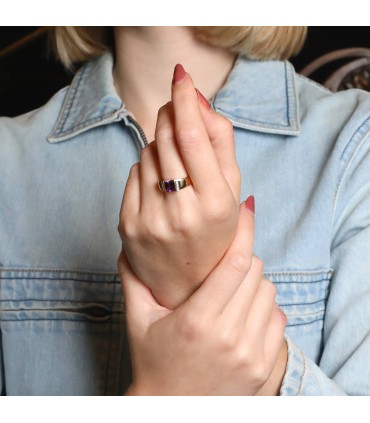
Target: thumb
<point>141,307</point>
<point>221,134</point>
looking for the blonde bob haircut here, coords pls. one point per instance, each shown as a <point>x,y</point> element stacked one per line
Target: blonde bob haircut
<point>79,43</point>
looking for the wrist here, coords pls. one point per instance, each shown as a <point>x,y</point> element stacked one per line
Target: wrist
<point>273,384</point>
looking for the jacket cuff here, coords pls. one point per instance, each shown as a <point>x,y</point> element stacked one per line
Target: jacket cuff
<point>304,377</point>
<point>294,370</point>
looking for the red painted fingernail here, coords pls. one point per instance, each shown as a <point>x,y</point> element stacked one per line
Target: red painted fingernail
<point>178,75</point>
<point>249,204</point>
<point>203,100</point>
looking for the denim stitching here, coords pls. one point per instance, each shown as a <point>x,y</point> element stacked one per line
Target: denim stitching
<point>58,301</point>
<point>303,374</point>
<point>276,125</point>
<point>61,320</point>
<point>109,348</point>
<point>86,124</point>
<point>303,273</point>
<point>302,304</point>
<point>287,94</point>
<point>69,102</point>
<point>314,84</point>
<point>62,279</point>
<point>300,282</point>
<point>340,184</point>
<point>306,323</point>
<point>87,272</point>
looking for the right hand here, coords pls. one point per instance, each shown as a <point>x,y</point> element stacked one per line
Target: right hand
<point>174,240</point>
<point>224,340</point>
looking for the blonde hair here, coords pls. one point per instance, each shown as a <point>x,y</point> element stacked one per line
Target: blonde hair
<point>79,43</point>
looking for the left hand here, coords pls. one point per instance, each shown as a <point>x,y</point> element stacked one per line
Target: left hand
<point>224,340</point>
<point>174,240</point>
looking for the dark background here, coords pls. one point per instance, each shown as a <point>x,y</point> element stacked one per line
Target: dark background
<point>30,74</point>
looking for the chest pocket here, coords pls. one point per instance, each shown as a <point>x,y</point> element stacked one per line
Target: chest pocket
<point>302,295</point>
<point>63,333</point>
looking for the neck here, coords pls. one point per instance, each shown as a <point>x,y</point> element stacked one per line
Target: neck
<point>145,59</point>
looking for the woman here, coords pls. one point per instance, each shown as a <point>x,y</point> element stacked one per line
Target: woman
<point>306,166</point>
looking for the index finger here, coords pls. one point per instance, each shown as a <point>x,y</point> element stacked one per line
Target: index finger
<point>192,137</point>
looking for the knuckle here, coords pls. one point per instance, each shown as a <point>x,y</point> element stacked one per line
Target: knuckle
<point>258,264</point>
<point>227,126</point>
<point>243,357</point>
<point>185,225</point>
<point>164,133</point>
<point>227,339</point>
<point>134,169</point>
<point>260,372</point>
<point>239,263</point>
<point>120,263</point>
<point>128,230</point>
<point>191,327</point>
<point>155,230</point>
<point>270,288</point>
<point>218,210</point>
<point>281,316</point>
<point>224,127</point>
<point>188,136</point>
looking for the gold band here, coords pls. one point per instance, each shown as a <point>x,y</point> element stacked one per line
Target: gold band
<point>170,185</point>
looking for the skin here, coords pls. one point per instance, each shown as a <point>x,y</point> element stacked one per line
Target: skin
<point>156,309</point>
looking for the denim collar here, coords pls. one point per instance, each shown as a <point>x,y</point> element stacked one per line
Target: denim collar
<point>258,96</point>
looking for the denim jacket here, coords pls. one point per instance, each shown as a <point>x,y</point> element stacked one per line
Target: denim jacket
<point>304,153</point>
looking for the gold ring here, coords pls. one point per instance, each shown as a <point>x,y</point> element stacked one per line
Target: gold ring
<point>170,185</point>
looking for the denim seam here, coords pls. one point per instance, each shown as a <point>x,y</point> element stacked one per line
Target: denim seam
<point>234,118</point>
<point>58,301</point>
<point>303,273</point>
<point>302,304</point>
<point>62,320</point>
<point>62,279</point>
<point>300,282</point>
<point>303,374</point>
<point>314,84</point>
<point>69,102</point>
<point>286,93</point>
<point>307,323</point>
<point>20,269</point>
<point>350,161</point>
<point>109,348</point>
<point>87,124</point>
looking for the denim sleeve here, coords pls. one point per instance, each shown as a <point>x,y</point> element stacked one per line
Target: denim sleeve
<point>2,375</point>
<point>344,366</point>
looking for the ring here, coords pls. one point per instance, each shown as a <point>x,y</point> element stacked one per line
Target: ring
<point>170,185</point>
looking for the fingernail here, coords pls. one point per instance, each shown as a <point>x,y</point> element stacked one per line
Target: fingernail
<point>203,100</point>
<point>249,204</point>
<point>178,75</point>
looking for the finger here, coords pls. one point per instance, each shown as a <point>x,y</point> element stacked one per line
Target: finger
<point>140,305</point>
<point>217,290</point>
<point>221,134</point>
<point>274,337</point>
<point>131,197</point>
<point>150,195</point>
<point>261,310</point>
<point>170,161</point>
<point>237,309</point>
<point>192,138</point>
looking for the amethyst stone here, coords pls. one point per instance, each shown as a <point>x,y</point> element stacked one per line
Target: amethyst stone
<point>170,185</point>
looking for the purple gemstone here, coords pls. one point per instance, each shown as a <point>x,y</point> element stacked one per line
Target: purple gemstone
<point>169,185</point>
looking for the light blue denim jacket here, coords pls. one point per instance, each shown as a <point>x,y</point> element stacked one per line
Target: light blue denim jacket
<point>304,153</point>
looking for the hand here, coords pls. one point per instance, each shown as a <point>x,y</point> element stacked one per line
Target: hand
<point>224,340</point>
<point>173,240</point>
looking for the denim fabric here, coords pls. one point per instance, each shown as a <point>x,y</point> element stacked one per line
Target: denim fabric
<point>304,153</point>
